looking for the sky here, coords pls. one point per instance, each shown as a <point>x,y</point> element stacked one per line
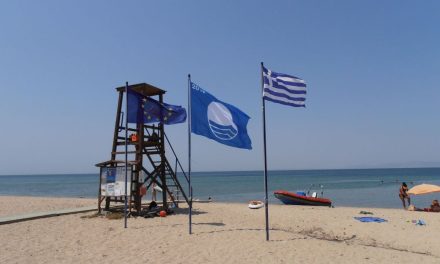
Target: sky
<point>371,67</point>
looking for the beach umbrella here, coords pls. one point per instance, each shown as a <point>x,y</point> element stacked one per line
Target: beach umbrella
<point>424,189</point>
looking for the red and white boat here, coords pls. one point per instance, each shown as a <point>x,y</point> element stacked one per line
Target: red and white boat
<point>300,199</point>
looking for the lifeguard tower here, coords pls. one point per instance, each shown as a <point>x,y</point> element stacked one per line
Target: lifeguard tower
<point>148,166</point>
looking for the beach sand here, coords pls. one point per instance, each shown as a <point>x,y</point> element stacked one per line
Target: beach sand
<point>222,233</point>
<point>16,205</point>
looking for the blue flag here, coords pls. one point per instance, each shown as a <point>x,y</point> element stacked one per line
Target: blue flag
<point>217,120</point>
<point>143,109</point>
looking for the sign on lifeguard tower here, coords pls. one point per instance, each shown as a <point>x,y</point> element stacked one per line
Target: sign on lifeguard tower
<point>112,181</point>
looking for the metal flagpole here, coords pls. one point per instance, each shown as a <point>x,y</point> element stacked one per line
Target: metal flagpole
<point>126,154</point>
<point>266,202</point>
<point>189,154</point>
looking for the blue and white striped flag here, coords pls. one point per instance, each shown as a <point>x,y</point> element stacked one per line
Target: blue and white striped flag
<point>284,89</point>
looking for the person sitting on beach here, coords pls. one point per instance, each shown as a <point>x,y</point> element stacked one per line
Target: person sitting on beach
<point>403,194</point>
<point>152,206</point>
<point>435,206</point>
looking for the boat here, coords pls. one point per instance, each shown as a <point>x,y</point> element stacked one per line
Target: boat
<point>301,199</point>
<point>255,204</point>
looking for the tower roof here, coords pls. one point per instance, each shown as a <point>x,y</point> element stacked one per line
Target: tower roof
<point>144,89</point>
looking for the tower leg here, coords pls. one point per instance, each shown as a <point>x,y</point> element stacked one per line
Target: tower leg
<point>107,203</point>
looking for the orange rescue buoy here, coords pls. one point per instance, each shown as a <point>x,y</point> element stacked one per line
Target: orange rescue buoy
<point>133,137</point>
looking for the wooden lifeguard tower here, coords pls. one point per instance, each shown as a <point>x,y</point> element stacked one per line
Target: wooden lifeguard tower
<point>147,164</point>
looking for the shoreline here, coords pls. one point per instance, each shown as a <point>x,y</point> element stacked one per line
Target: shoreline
<point>195,200</point>
<point>95,199</point>
<point>346,188</point>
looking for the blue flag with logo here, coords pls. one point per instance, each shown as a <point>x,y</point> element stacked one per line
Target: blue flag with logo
<point>218,120</point>
<point>143,109</point>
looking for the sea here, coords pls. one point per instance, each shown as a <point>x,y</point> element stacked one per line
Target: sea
<point>376,188</point>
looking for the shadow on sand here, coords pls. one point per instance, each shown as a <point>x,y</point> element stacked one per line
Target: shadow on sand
<point>212,224</point>
<point>186,211</point>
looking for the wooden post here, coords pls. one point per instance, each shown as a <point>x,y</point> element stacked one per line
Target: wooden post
<point>162,161</point>
<point>117,122</point>
<point>99,190</point>
<point>138,167</point>
<point>115,138</point>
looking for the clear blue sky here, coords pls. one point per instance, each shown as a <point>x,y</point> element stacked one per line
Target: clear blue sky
<point>372,69</point>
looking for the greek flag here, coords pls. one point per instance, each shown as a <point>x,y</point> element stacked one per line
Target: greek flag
<point>284,89</point>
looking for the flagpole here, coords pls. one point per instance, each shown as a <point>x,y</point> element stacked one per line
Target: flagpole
<point>126,153</point>
<point>189,154</point>
<point>266,202</point>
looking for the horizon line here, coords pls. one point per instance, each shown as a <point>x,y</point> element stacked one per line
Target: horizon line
<point>377,168</point>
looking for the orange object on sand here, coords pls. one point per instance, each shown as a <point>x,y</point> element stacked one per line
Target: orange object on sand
<point>162,213</point>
